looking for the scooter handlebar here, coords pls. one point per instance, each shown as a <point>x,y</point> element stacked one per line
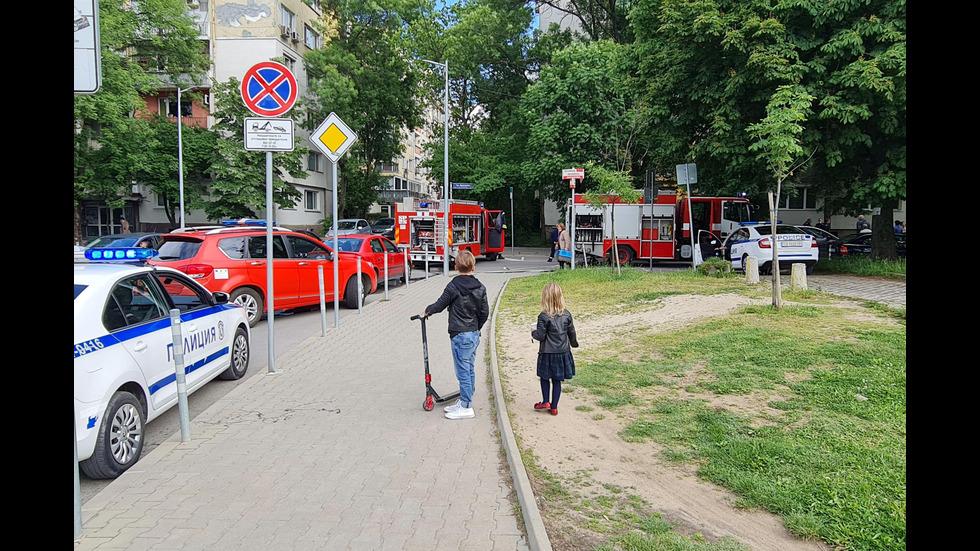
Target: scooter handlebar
<point>416,317</point>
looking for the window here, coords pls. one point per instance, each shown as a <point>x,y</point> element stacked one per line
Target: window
<point>802,200</point>
<point>289,62</point>
<point>184,296</point>
<point>311,38</point>
<point>312,200</point>
<point>168,107</point>
<point>306,248</point>
<point>313,162</point>
<point>133,300</point>
<point>288,18</point>
<point>256,247</point>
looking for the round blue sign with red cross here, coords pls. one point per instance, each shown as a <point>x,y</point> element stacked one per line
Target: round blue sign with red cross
<point>269,89</point>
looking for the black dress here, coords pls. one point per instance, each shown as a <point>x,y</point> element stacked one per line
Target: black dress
<point>555,359</point>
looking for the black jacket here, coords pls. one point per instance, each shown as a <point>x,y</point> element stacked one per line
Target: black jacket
<point>556,334</point>
<point>466,299</point>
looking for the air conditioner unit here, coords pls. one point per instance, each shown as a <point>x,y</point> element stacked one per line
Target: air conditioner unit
<point>284,31</point>
<point>295,36</point>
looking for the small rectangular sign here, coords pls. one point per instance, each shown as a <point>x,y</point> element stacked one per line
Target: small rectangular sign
<point>262,134</point>
<point>462,186</point>
<point>573,174</point>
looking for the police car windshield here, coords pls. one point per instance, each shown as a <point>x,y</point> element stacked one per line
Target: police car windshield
<point>780,230</point>
<point>79,289</point>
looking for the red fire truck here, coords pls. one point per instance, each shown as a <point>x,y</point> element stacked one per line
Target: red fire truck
<point>420,227</point>
<point>660,230</point>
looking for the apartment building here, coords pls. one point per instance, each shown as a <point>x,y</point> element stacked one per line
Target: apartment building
<point>237,34</point>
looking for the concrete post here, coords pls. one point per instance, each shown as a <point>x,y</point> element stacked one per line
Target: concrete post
<point>751,268</point>
<point>798,273</point>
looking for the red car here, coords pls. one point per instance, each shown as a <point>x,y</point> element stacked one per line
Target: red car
<point>233,260</point>
<point>372,249</point>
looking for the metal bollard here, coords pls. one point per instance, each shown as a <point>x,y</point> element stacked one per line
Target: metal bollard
<point>386,275</point>
<point>360,288</point>
<point>407,272</point>
<point>323,302</point>
<point>185,423</point>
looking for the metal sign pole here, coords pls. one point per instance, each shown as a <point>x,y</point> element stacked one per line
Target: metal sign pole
<point>270,295</point>
<point>178,340</point>
<point>572,225</point>
<point>336,254</point>
<point>513,220</point>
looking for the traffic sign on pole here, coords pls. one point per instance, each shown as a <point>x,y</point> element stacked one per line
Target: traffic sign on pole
<point>269,89</point>
<point>333,137</point>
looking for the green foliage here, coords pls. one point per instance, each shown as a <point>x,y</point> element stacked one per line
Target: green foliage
<point>361,74</point>
<point>136,39</point>
<point>583,107</point>
<point>716,267</point>
<point>238,188</point>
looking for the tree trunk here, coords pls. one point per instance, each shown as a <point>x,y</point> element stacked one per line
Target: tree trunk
<point>883,232</point>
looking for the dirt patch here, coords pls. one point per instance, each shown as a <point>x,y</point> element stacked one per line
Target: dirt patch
<point>609,477</point>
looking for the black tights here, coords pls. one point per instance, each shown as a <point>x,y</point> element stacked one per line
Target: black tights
<point>546,387</point>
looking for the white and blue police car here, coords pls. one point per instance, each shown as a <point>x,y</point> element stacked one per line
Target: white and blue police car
<point>124,360</point>
<point>755,239</point>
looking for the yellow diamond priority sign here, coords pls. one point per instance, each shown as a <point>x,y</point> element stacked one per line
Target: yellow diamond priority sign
<point>333,137</point>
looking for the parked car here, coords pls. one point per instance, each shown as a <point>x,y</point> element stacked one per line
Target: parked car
<point>124,364</point>
<point>233,260</point>
<point>755,239</point>
<point>860,244</point>
<point>146,240</point>
<point>372,249</point>
<point>385,227</point>
<point>348,226</point>
<point>828,242</point>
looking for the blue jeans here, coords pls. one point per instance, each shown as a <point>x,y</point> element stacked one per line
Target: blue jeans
<point>464,360</point>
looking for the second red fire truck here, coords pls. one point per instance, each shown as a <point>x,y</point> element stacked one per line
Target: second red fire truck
<point>420,227</point>
<point>658,230</point>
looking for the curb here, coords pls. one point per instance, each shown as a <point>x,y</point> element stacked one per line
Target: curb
<point>536,534</point>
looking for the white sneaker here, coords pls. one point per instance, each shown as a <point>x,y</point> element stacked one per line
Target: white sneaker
<point>460,413</point>
<point>453,407</point>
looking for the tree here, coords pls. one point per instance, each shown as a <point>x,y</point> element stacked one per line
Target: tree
<point>709,68</point>
<point>238,186</point>
<point>583,108</point>
<point>362,75</point>
<point>141,42</point>
<point>778,143</point>
<point>611,187</point>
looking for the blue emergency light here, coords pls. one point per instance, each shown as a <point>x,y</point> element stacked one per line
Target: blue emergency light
<point>244,222</point>
<point>122,254</point>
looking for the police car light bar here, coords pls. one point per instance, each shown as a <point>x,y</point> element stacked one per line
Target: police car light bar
<point>125,254</point>
<point>244,222</point>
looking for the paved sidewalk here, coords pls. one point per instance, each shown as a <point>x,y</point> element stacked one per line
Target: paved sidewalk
<point>332,452</point>
<point>887,291</point>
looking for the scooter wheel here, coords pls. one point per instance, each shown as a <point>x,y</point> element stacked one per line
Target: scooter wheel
<point>428,404</point>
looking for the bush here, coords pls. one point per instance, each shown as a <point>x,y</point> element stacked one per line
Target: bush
<point>715,267</point>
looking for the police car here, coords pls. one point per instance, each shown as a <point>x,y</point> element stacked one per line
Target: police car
<point>755,239</point>
<point>124,358</point>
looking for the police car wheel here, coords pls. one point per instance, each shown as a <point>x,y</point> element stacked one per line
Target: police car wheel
<point>239,357</point>
<point>250,300</point>
<point>120,440</point>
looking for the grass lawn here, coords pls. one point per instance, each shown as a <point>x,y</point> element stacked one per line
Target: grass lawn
<point>820,438</point>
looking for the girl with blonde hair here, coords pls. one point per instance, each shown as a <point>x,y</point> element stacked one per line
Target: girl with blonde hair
<point>556,333</point>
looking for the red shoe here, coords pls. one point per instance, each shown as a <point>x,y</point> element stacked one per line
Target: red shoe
<point>542,405</point>
<point>553,411</point>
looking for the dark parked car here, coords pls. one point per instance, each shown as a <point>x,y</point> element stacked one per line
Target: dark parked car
<point>385,227</point>
<point>860,244</point>
<point>828,242</point>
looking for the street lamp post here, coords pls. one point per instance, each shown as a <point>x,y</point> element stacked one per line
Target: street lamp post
<point>180,152</point>
<point>445,167</point>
